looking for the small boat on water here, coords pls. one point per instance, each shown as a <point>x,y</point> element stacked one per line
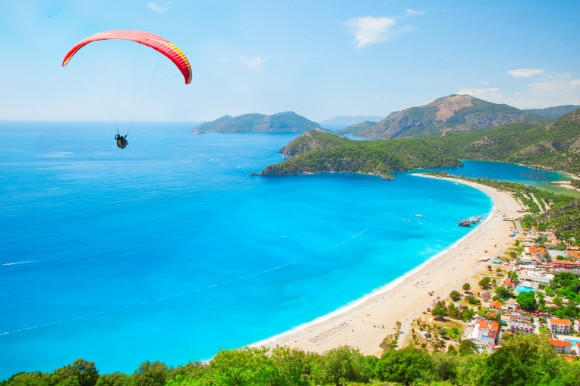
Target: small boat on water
<point>475,219</point>
<point>469,221</point>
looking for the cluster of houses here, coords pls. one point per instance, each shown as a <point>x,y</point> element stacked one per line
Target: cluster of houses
<point>536,267</point>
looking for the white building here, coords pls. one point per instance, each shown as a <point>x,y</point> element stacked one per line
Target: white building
<point>560,326</point>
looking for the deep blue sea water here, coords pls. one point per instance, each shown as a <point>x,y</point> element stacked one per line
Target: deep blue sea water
<point>168,250</point>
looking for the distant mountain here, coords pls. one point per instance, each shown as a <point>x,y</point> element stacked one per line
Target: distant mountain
<point>287,122</point>
<point>358,127</point>
<point>553,112</point>
<point>455,113</point>
<point>348,120</point>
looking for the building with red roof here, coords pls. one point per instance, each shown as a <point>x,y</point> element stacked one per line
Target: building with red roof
<point>560,326</point>
<point>485,332</point>
<point>508,282</point>
<point>496,305</point>
<point>566,266</point>
<point>562,346</point>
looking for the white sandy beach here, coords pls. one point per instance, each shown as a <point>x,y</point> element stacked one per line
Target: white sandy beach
<point>365,323</point>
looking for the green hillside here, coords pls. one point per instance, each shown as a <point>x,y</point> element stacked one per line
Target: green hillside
<point>358,127</point>
<point>554,146</point>
<point>322,152</point>
<point>553,112</point>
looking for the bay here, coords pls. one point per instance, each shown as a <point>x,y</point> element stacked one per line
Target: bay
<point>168,250</point>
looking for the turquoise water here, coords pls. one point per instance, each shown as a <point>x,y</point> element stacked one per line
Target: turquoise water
<point>168,250</point>
<point>574,340</point>
<point>523,288</point>
<point>505,172</point>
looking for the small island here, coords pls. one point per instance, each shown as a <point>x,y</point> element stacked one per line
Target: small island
<point>286,122</point>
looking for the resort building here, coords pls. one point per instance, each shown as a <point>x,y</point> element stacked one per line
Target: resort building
<point>523,328</point>
<point>485,332</point>
<point>537,252</point>
<point>573,253</point>
<point>566,266</point>
<point>511,305</point>
<point>538,277</point>
<point>508,282</point>
<point>518,323</point>
<point>514,316</point>
<point>495,305</point>
<point>577,326</point>
<point>562,346</point>
<point>560,326</point>
<point>527,260</point>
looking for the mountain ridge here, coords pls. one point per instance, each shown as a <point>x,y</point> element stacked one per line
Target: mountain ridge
<point>351,120</point>
<point>553,112</point>
<point>454,113</point>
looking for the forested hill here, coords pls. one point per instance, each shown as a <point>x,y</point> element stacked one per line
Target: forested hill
<point>553,146</point>
<point>454,113</point>
<point>287,122</point>
<point>321,152</point>
<point>553,112</point>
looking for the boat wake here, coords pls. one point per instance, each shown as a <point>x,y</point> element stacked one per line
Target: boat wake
<point>146,302</point>
<point>350,238</point>
<point>21,262</point>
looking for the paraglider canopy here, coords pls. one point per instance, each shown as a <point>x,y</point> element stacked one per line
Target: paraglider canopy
<point>148,39</point>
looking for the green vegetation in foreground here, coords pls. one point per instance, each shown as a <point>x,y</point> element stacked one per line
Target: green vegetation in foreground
<point>522,360</point>
<point>555,146</point>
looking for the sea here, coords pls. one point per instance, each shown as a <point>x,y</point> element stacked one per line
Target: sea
<point>168,250</point>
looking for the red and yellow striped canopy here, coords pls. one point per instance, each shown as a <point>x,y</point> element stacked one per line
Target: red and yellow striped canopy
<point>150,40</point>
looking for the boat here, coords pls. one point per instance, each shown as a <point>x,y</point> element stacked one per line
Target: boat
<point>475,219</point>
<point>464,223</point>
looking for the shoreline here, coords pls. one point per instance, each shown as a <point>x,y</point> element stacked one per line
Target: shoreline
<point>365,322</point>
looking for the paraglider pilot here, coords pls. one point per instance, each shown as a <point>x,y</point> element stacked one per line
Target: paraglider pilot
<point>121,140</point>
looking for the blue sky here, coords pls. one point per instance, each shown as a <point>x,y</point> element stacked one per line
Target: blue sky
<point>319,58</point>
